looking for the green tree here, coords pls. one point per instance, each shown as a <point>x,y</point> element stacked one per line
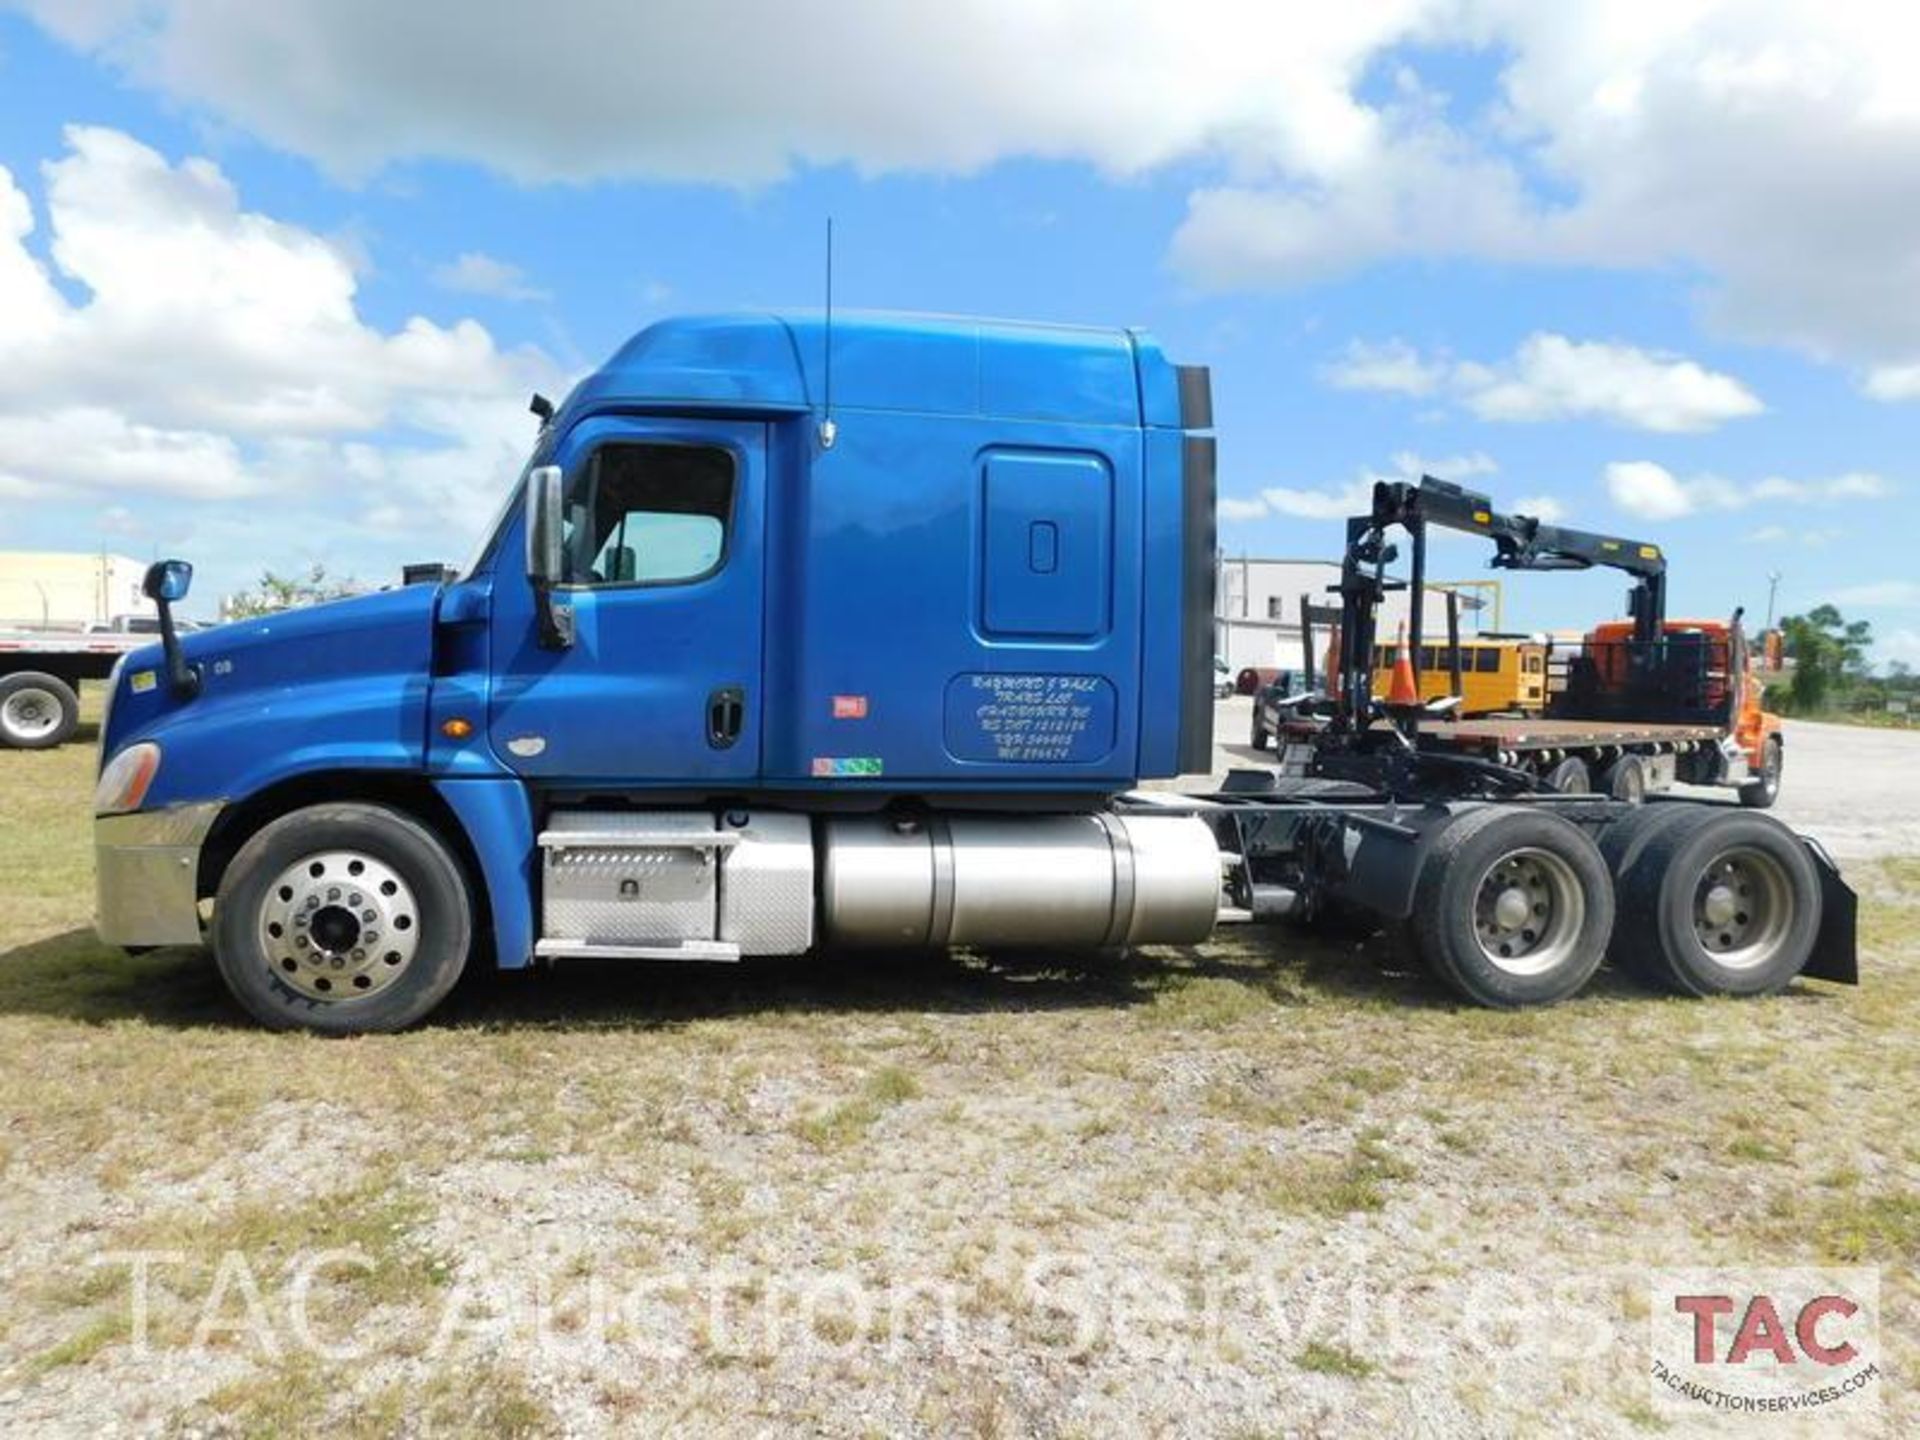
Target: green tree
<point>1829,654</point>
<point>289,592</point>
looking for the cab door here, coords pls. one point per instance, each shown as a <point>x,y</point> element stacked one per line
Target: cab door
<point>664,576</point>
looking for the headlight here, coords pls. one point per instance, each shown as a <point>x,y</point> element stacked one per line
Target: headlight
<point>123,784</point>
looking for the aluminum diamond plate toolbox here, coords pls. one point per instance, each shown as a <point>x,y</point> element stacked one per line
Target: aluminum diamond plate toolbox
<point>627,877</point>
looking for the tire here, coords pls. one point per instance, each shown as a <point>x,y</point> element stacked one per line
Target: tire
<point>1625,779</point>
<point>1621,844</point>
<point>1260,739</point>
<point>1760,794</point>
<point>1464,899</point>
<point>37,712</point>
<point>1571,777</point>
<point>295,947</point>
<point>1718,902</point>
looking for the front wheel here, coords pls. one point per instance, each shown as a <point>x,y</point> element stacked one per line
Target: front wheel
<point>1761,793</point>
<point>1260,738</point>
<point>1514,907</point>
<point>343,919</point>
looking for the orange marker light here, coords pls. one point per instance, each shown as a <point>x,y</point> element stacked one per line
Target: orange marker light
<point>456,728</point>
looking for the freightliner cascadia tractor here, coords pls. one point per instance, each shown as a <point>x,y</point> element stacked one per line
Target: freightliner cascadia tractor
<point>745,667</point>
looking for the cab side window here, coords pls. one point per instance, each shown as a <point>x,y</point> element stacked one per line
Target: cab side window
<point>649,514</point>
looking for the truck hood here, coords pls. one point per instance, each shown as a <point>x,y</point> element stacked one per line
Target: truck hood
<point>286,643</point>
<point>335,684</point>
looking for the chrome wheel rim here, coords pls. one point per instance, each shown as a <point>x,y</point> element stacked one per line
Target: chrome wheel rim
<point>1743,908</point>
<point>31,713</point>
<point>1528,910</point>
<point>339,925</point>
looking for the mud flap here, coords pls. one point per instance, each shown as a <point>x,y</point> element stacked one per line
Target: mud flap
<point>1836,954</point>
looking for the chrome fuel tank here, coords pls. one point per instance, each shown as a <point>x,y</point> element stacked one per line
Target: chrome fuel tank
<point>1066,880</point>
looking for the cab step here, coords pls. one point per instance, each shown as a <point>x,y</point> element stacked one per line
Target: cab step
<point>705,951</point>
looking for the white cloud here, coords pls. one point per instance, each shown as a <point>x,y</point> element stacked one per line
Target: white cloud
<point>1902,645</point>
<point>1653,492</point>
<point>1413,465</point>
<point>1234,508</point>
<point>1890,594</point>
<point>1356,496</point>
<point>1393,366</point>
<point>744,92</point>
<point>1334,504</point>
<point>1630,135</point>
<point>1650,491</point>
<point>217,354</point>
<point>477,273</point>
<point>1652,136</point>
<point>1893,382</point>
<point>1550,377</point>
<point>1541,507</point>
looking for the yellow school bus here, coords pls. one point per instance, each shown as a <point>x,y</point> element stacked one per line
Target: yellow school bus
<point>1499,674</point>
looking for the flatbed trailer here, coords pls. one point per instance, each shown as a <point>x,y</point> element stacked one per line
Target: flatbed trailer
<point>40,676</point>
<point>1658,755</point>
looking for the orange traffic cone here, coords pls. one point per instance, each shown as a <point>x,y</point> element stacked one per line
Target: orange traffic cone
<point>1404,689</point>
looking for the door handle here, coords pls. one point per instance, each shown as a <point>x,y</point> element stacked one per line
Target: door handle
<point>726,713</point>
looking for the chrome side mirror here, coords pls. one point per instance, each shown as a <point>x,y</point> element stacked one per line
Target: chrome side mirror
<point>545,531</point>
<point>546,553</point>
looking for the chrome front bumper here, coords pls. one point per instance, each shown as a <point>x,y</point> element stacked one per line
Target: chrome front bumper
<point>145,866</point>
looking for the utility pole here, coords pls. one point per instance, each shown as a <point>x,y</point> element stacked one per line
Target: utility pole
<point>1773,589</point>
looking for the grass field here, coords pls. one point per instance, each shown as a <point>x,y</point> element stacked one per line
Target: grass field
<point>1268,1186</point>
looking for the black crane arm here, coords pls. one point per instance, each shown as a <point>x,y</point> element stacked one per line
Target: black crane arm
<point>1524,543</point>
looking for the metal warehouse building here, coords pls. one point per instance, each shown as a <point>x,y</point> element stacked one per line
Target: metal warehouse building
<point>45,589</point>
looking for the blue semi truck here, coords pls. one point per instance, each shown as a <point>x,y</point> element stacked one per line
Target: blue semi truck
<point>857,633</point>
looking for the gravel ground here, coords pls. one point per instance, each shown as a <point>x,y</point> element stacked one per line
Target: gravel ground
<point>1272,1185</point>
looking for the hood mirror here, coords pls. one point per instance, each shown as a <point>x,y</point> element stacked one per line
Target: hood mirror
<point>165,582</point>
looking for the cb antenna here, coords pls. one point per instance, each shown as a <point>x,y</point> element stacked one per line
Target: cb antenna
<point>829,432</point>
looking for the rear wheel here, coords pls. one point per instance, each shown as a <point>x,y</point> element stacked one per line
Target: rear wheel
<point>1571,777</point>
<point>1625,779</point>
<point>1514,907</point>
<point>342,919</point>
<point>1761,793</point>
<point>1718,902</point>
<point>37,712</point>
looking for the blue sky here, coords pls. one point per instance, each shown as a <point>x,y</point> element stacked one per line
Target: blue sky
<point>278,285</point>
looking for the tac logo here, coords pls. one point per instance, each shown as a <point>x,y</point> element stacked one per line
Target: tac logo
<point>1760,1342</point>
